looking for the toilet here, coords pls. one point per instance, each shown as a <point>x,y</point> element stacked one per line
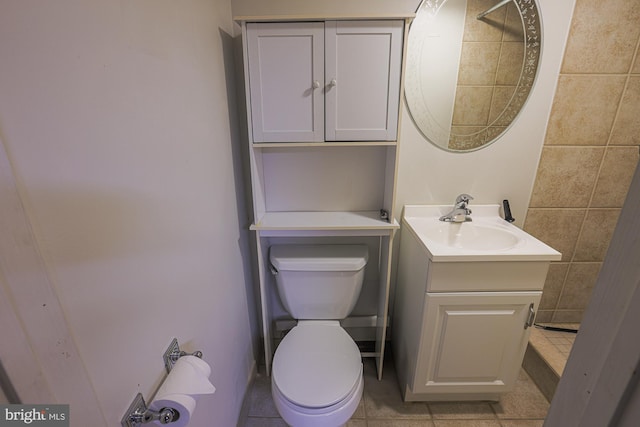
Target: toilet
<point>317,376</point>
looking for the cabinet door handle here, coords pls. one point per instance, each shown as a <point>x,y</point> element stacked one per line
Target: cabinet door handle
<point>532,315</point>
<point>316,84</point>
<point>333,82</point>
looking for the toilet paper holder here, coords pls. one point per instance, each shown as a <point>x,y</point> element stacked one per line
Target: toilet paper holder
<point>138,412</point>
<point>173,353</point>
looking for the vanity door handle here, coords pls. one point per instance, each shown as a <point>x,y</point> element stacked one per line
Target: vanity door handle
<point>530,318</point>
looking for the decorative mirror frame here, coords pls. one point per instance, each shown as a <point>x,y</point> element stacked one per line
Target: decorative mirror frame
<point>532,49</point>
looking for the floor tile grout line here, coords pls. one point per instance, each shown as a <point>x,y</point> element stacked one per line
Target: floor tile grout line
<point>428,417</point>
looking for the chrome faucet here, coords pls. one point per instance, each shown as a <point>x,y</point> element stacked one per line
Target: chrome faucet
<point>460,212</point>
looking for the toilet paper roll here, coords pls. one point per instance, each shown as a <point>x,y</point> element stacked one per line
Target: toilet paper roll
<point>188,379</point>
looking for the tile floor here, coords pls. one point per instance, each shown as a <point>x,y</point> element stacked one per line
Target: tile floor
<point>382,406</point>
<point>554,346</point>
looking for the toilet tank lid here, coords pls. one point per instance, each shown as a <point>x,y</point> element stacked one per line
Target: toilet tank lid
<point>319,257</point>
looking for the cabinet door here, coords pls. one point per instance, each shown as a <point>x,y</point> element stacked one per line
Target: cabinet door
<point>363,65</point>
<point>286,79</point>
<point>473,342</point>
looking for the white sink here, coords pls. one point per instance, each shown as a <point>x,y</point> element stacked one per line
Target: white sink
<point>470,235</point>
<point>486,237</point>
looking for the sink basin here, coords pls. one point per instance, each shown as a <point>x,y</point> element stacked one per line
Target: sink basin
<point>487,237</point>
<point>469,235</point>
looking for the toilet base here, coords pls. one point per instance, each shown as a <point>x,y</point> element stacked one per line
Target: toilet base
<point>333,416</point>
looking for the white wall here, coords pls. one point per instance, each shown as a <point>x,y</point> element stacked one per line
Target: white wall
<point>507,168</point>
<point>119,121</point>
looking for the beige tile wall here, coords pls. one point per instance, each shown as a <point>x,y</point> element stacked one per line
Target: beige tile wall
<point>490,64</point>
<point>590,151</point>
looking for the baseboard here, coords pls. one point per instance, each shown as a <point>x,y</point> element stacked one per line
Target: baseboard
<point>244,409</point>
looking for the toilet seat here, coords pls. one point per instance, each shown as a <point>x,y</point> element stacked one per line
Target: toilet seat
<point>342,406</point>
<point>317,365</point>
<point>331,416</point>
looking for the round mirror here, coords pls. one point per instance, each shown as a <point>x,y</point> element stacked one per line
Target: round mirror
<point>470,67</point>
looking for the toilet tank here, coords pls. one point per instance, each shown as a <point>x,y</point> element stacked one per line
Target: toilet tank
<point>319,281</point>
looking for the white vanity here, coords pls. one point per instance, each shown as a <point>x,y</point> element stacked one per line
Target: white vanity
<point>466,299</point>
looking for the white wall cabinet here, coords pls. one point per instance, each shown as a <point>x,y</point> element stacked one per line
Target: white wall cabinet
<point>323,99</point>
<point>461,328</point>
<point>324,81</point>
<point>286,80</point>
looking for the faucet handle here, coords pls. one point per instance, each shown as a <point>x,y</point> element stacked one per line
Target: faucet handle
<point>463,198</point>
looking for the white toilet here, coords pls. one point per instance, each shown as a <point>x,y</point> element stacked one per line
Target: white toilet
<point>317,368</point>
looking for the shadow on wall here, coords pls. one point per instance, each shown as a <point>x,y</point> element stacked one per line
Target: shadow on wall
<point>105,225</point>
<point>233,67</point>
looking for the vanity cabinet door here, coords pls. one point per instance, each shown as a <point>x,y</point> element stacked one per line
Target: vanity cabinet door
<point>473,342</point>
<point>363,65</point>
<point>286,81</point>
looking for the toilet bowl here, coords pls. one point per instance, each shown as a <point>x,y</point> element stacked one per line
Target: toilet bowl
<point>317,376</point>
